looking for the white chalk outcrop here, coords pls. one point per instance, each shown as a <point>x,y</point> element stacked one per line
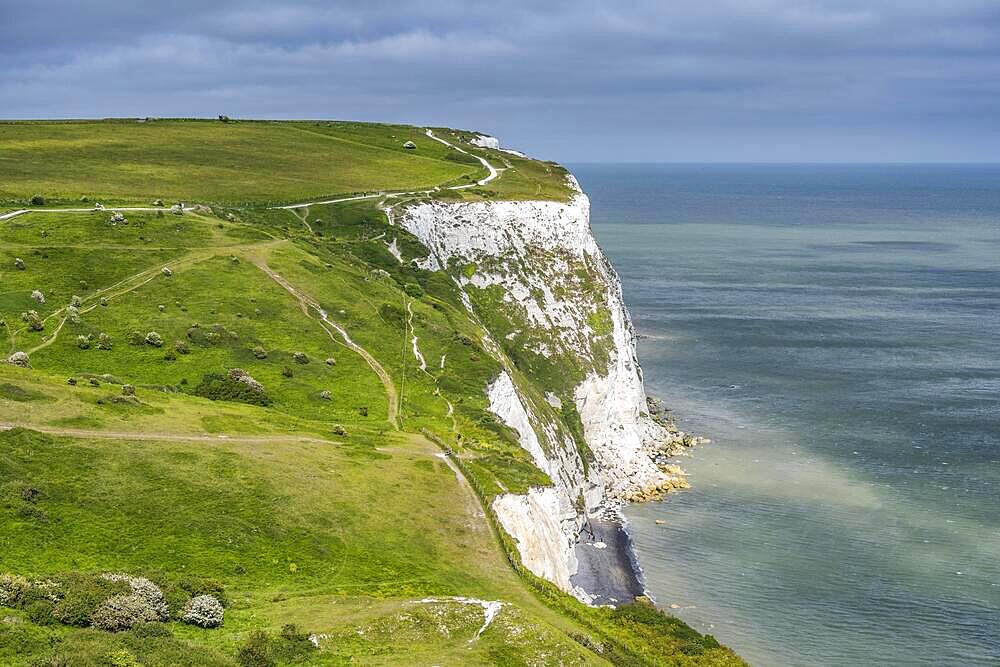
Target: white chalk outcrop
<point>553,275</point>
<point>485,141</point>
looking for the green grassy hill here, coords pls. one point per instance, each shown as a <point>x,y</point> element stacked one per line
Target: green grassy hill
<point>339,495</point>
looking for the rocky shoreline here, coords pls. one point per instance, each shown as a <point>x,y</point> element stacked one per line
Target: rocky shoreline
<point>660,453</point>
<point>609,569</point>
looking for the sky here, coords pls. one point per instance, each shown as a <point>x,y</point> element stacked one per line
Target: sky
<point>574,81</point>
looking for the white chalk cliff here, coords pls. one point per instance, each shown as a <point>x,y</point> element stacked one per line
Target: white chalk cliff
<point>565,306</point>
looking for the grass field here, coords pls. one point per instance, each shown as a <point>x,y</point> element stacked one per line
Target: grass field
<point>319,498</point>
<point>214,162</point>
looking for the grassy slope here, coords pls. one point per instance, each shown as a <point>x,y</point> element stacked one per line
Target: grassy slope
<point>340,531</point>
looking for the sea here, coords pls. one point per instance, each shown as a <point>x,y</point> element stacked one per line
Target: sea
<point>835,331</point>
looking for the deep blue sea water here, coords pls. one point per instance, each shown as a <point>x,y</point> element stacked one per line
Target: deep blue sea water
<point>836,331</point>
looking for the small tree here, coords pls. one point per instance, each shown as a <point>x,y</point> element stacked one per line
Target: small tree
<point>33,320</point>
<point>37,200</point>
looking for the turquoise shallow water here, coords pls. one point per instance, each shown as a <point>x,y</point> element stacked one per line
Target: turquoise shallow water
<point>836,331</point>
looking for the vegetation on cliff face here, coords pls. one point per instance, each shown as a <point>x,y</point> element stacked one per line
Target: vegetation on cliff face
<point>326,518</point>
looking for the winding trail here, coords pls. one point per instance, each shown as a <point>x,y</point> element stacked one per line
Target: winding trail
<point>492,174</point>
<point>330,327</point>
<point>92,209</point>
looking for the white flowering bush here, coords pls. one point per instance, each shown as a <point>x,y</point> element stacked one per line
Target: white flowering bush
<point>12,588</point>
<point>166,271</point>
<point>19,359</point>
<point>36,295</point>
<point>204,611</point>
<point>154,339</point>
<point>123,612</point>
<point>19,264</point>
<point>104,342</point>
<point>83,342</point>
<point>73,314</point>
<point>241,375</point>
<point>141,586</point>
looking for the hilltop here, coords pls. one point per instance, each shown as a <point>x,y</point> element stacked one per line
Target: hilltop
<point>352,381</point>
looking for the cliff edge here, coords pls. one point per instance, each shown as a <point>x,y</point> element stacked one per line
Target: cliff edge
<point>533,275</point>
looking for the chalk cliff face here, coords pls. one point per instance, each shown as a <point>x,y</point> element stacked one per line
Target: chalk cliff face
<point>535,278</point>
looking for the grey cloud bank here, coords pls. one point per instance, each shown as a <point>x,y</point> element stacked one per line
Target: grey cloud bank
<point>750,80</point>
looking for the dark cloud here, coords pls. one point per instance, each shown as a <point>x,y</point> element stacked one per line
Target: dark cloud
<point>669,81</point>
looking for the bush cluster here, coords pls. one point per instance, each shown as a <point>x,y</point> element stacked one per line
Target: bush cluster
<point>113,602</point>
<point>142,587</point>
<point>219,387</point>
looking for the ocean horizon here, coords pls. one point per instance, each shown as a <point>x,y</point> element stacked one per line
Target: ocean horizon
<point>832,328</point>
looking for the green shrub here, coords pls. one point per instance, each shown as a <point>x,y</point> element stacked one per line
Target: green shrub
<point>393,315</point>
<point>40,612</point>
<point>136,338</point>
<point>178,592</point>
<point>256,651</point>
<point>259,352</point>
<point>154,339</point>
<point>37,200</point>
<point>292,644</point>
<point>219,387</point>
<point>104,342</point>
<point>414,290</point>
<point>300,357</point>
<point>82,594</point>
<point>33,320</point>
